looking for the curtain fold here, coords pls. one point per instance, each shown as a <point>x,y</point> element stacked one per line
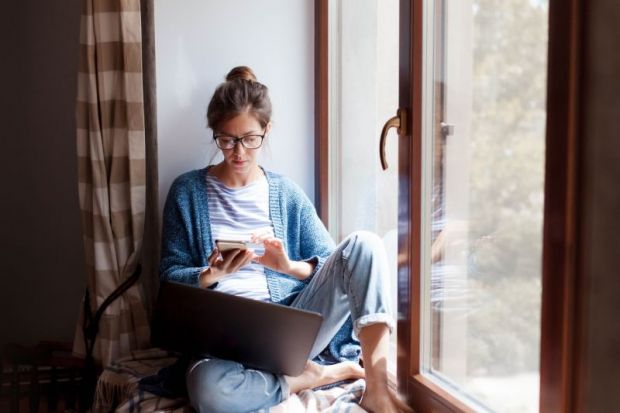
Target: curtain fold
<point>112,179</point>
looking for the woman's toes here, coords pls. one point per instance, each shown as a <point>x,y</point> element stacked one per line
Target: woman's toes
<point>355,370</point>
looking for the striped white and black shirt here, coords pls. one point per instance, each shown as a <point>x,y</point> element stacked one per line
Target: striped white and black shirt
<point>235,213</point>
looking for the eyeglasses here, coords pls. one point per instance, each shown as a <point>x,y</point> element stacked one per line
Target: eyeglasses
<point>248,141</point>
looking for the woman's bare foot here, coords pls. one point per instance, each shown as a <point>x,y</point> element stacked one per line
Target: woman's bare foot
<point>316,375</point>
<point>383,400</point>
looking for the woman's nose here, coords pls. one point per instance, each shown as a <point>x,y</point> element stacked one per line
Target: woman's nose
<point>239,148</point>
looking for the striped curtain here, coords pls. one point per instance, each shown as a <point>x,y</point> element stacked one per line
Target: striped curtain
<point>112,171</point>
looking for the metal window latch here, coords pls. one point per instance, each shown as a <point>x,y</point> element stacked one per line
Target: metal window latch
<point>447,129</point>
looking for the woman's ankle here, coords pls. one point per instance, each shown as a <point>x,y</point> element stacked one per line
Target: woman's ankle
<point>311,374</point>
<point>383,400</point>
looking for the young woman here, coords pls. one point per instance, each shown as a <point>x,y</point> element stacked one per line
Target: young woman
<point>300,265</point>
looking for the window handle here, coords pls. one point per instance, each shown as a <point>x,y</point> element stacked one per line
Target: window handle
<point>400,123</point>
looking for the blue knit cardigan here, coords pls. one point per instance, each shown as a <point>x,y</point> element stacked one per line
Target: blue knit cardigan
<point>187,242</point>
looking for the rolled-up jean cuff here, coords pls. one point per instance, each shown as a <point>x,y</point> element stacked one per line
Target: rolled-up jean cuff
<point>370,319</point>
<point>284,389</point>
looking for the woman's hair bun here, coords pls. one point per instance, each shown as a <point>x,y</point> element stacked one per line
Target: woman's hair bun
<point>242,73</point>
<point>240,93</point>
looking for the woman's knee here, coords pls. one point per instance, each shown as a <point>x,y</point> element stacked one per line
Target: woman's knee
<point>366,259</point>
<point>205,386</point>
<point>365,243</point>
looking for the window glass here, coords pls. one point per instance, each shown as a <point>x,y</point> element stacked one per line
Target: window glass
<point>484,146</point>
<point>363,79</point>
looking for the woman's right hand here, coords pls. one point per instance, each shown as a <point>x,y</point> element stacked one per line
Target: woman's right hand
<point>222,264</point>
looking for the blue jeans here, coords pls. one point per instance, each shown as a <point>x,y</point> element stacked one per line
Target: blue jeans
<point>353,281</point>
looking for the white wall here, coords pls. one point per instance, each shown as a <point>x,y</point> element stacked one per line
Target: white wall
<point>198,42</point>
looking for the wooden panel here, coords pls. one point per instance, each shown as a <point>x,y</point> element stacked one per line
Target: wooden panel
<point>410,180</point>
<point>321,121</point>
<point>560,304</point>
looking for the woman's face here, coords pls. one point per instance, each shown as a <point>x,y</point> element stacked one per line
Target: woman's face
<point>240,160</point>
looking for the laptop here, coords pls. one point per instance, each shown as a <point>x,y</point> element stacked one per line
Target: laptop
<point>209,323</point>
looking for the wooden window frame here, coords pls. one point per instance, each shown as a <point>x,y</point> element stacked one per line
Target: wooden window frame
<point>321,109</point>
<point>562,307</point>
<point>561,324</point>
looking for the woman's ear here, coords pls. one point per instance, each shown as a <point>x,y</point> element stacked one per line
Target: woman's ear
<point>268,128</point>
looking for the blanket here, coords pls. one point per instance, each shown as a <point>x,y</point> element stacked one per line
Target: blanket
<point>119,390</point>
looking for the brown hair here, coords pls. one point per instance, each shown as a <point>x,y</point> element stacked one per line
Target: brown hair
<point>240,93</point>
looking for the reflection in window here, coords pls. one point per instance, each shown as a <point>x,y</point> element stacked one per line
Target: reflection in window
<point>485,138</point>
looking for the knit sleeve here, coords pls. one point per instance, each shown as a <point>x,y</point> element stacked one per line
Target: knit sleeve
<point>315,241</point>
<point>180,261</point>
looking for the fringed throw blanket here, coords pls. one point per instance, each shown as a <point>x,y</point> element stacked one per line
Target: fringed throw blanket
<point>132,384</point>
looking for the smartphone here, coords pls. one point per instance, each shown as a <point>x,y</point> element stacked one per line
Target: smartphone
<point>226,245</point>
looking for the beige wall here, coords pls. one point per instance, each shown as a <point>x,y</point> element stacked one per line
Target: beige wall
<point>41,270</point>
<point>600,237</point>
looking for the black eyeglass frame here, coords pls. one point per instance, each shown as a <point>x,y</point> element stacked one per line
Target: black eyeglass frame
<point>238,139</point>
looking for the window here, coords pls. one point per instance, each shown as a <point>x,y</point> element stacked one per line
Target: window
<point>363,76</point>
<point>485,212</point>
<point>483,139</point>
